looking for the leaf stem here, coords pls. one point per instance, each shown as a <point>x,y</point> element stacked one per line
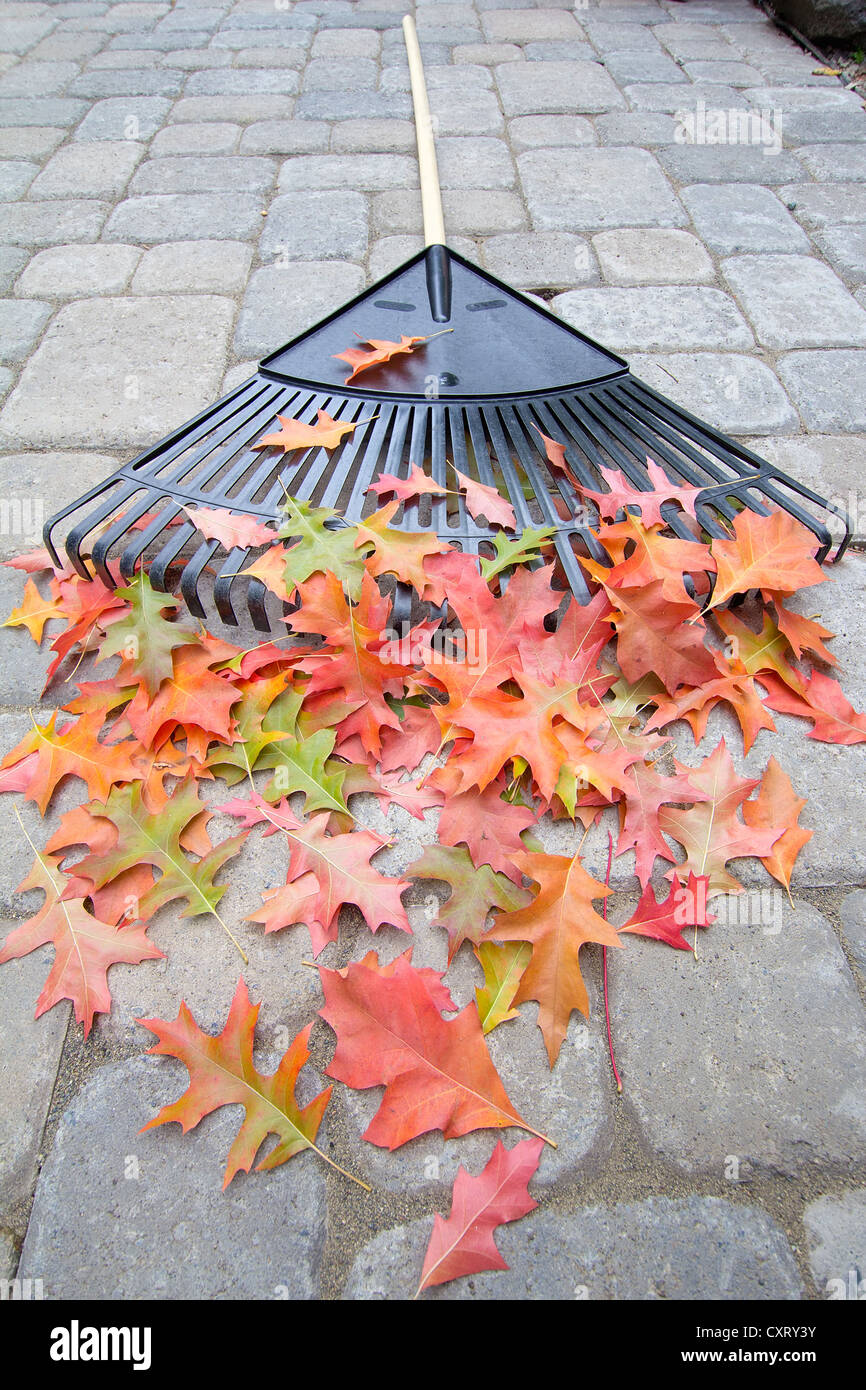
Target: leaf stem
<point>604,959</point>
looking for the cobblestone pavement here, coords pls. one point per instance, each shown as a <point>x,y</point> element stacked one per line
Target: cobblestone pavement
<point>187,185</point>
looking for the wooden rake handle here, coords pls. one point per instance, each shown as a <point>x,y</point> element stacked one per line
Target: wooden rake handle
<point>438,263</point>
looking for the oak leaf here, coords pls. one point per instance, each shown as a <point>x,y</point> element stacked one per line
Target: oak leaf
<point>233,530</point>
<point>464,1244</point>
<point>777,804</point>
<point>222,1072</point>
<point>380,350</point>
<point>834,719</point>
<point>766,552</point>
<point>143,636</point>
<point>623,494</point>
<point>84,946</point>
<point>295,434</point>
<point>661,636</point>
<point>72,750</point>
<point>437,1072</point>
<point>665,921</point>
<point>34,612</point>
<point>485,501</point>
<point>416,484</point>
<point>474,892</point>
<point>503,966</point>
<point>558,921</point>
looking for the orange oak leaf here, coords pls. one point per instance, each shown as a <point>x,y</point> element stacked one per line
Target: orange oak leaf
<point>757,652</point>
<point>766,552</point>
<point>222,1072</point>
<point>84,947</point>
<point>34,612</point>
<point>644,554</point>
<point>194,696</point>
<point>485,501</point>
<point>464,1244</point>
<point>658,635</point>
<point>73,750</point>
<point>777,804</point>
<point>402,553</point>
<point>834,719</point>
<point>804,634</point>
<point>558,921</point>
<point>711,832</point>
<point>646,791</point>
<point>295,434</point>
<point>437,1073</point>
<point>380,350</point>
<point>232,530</point>
<point>695,705</point>
<point>481,820</point>
<point>417,484</point>
<point>683,907</point>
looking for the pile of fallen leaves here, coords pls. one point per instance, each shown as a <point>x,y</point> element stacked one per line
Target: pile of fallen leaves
<point>538,706</point>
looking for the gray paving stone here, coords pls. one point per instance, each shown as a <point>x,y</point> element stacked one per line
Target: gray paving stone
<point>16,176</point>
<point>656,319</point>
<point>853,915</point>
<point>243,82</point>
<point>836,1227</point>
<point>696,1248</point>
<point>647,256</point>
<point>327,223</point>
<point>529,89</point>
<point>142,1216</point>
<point>361,172</point>
<point>346,43</point>
<point>827,388</point>
<point>29,142</point>
<point>469,211</point>
<point>19,35</point>
<point>371,136</point>
<point>8,1257</point>
<point>688,41</point>
<point>832,465</point>
<point>66,46</point>
<point>204,174</point>
<point>63,272</point>
<point>285,137</point>
<point>124,118</point>
<point>43,224</point>
<point>732,74</point>
<point>185,217</point>
<point>636,128</point>
<point>780,295</point>
<point>206,267</point>
<point>559,52</point>
<point>581,189</point>
<point>196,59</point>
<point>742,217</point>
<point>480,162</point>
<point>735,394</point>
<point>130,82</point>
<point>763,1066</point>
<point>640,66</point>
<point>12,258</point>
<point>340,75</point>
<point>129,58</point>
<point>152,363</point>
<point>825,204</point>
<point>100,169</point>
<point>814,127</point>
<point>268,19</point>
<point>37,79</point>
<point>472,112</point>
<point>29,1056</point>
<point>293,57</point>
<point>548,260</point>
<point>487,53</point>
<point>212,137</point>
<point>241,109</point>
<point>40,111</point>
<point>346,106</point>
<point>543,132</point>
<point>610,37</point>
<point>731,164</point>
<point>675,97</point>
<point>524,26</point>
<point>390,251</point>
<point>838,163</point>
<point>792,99</point>
<point>282,301</point>
<point>845,249</point>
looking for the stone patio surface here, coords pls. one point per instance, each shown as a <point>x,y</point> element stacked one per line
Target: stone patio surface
<point>185,186</point>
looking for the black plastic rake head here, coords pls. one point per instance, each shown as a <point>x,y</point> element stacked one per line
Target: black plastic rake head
<point>476,397</point>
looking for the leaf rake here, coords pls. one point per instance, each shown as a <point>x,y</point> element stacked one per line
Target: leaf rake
<point>478,397</point>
